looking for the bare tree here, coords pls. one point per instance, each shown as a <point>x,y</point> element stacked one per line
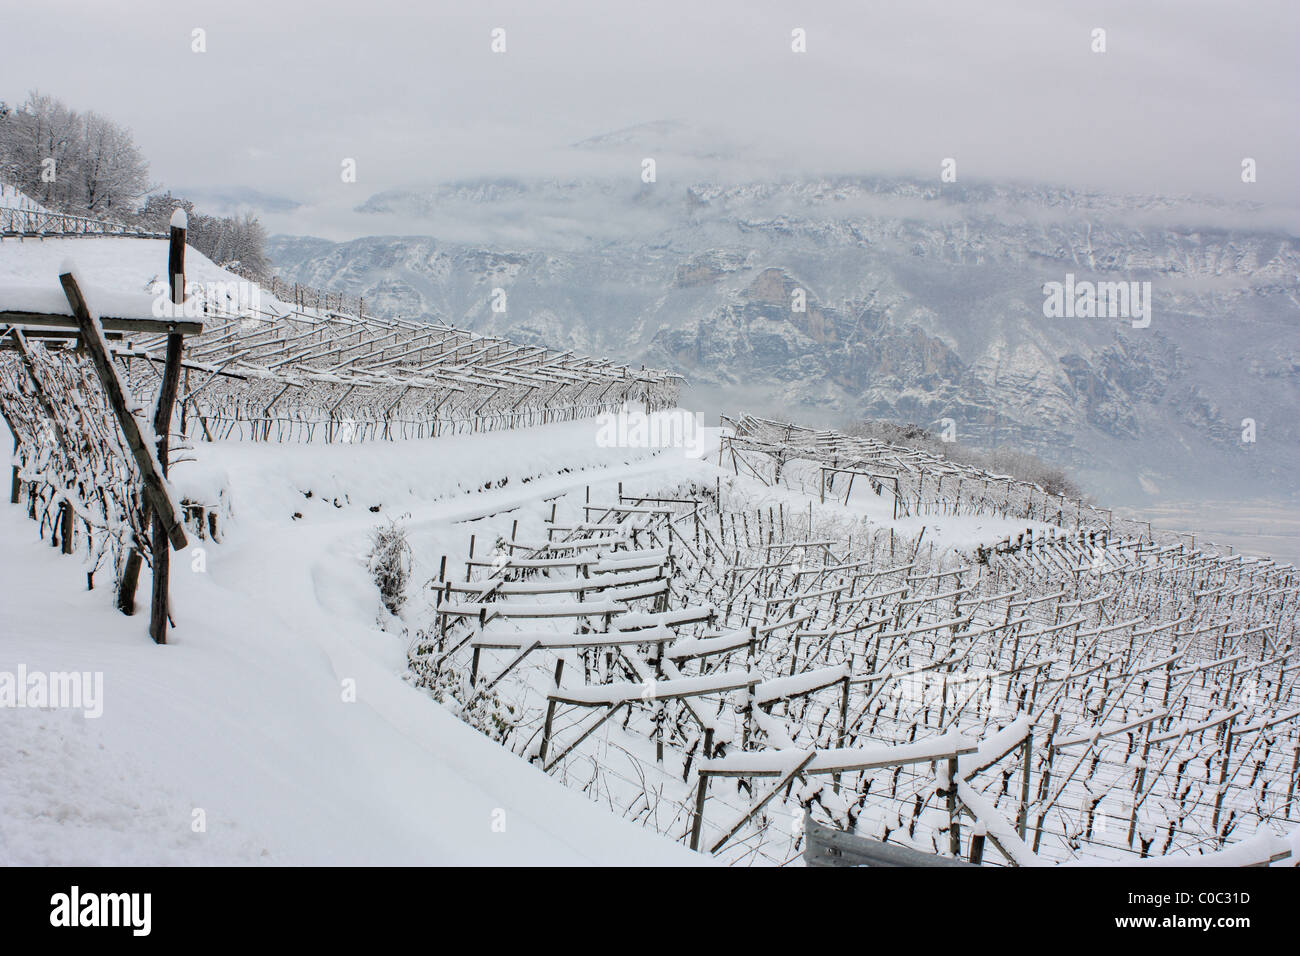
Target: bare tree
<point>113,175</point>
<point>232,242</point>
<point>69,161</point>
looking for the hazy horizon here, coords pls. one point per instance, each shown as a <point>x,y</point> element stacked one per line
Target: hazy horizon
<point>1011,91</point>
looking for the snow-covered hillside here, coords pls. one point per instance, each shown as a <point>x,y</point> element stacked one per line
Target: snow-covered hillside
<point>600,639</point>
<point>115,264</point>
<point>243,717</point>
<point>278,726</point>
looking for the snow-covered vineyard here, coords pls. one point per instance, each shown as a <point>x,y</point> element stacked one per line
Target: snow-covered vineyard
<point>287,373</point>
<point>21,216</point>
<point>255,369</point>
<point>718,649</point>
<point>718,660</point>
<point>913,478</point>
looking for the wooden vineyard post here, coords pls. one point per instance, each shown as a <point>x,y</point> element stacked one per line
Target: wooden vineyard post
<point>1139,781</point>
<point>550,714</point>
<point>954,821</point>
<point>162,421</point>
<point>977,835</point>
<point>1044,785</point>
<point>16,487</point>
<point>701,791</point>
<point>1022,818</point>
<point>131,575</point>
<point>1290,789</point>
<point>65,526</point>
<point>659,713</point>
<point>1223,777</point>
<point>844,716</point>
<point>473,667</point>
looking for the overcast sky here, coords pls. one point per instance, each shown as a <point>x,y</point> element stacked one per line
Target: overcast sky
<point>1010,88</point>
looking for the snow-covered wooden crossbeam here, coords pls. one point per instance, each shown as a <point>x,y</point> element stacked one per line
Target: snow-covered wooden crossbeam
<point>634,558</point>
<point>796,685</point>
<point>602,695</point>
<point>765,692</point>
<point>597,582</point>
<point>774,763</point>
<point>524,609</point>
<point>639,620</point>
<point>550,640</point>
<point>544,547</point>
<point>709,644</point>
<point>46,307</point>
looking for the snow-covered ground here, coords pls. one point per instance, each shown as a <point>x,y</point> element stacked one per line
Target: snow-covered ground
<point>243,717</point>
<point>281,725</point>
<point>117,264</point>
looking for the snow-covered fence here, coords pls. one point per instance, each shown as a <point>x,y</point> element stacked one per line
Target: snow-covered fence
<point>38,223</point>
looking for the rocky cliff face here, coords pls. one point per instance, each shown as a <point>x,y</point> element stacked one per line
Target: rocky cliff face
<point>832,299</point>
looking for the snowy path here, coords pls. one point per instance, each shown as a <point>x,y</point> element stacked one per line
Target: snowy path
<point>243,717</point>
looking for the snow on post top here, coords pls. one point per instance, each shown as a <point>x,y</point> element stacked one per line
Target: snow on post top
<point>68,267</point>
<point>179,219</point>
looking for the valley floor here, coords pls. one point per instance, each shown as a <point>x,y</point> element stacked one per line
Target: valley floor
<point>1263,527</point>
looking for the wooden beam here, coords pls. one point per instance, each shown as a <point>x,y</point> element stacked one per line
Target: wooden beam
<point>66,335</point>
<point>162,423</point>
<point>142,326</point>
<point>154,491</point>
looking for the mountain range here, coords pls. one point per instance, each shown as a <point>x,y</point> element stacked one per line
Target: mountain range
<point>921,301</point>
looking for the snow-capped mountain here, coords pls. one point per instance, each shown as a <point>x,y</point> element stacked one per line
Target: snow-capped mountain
<point>922,301</point>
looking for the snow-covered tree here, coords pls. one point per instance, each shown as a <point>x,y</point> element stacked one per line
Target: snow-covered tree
<point>81,163</point>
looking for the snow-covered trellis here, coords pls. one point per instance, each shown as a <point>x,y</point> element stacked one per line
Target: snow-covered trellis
<point>82,439</point>
<point>79,365</point>
<point>833,465</point>
<point>289,374</point>
<point>1069,695</point>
